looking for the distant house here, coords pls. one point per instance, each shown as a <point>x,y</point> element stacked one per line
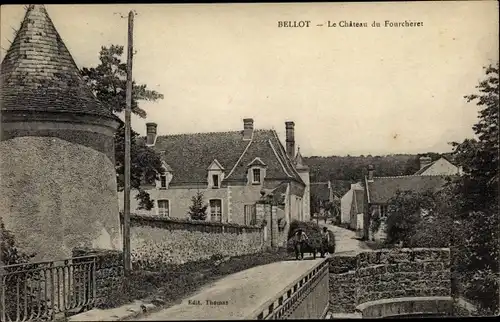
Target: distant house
<point>379,190</point>
<point>346,205</point>
<point>439,167</point>
<point>321,195</point>
<point>357,210</point>
<point>231,169</point>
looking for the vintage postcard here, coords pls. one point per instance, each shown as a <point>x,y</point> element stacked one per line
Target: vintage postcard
<point>249,161</point>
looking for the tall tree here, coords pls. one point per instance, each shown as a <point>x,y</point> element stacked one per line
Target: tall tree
<point>109,82</point>
<point>476,196</point>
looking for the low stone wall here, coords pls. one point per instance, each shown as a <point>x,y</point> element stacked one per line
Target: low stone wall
<point>158,241</point>
<point>343,283</point>
<point>109,273</point>
<point>385,274</point>
<point>403,273</point>
<point>437,306</point>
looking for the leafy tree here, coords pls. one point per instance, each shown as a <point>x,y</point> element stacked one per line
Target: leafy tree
<point>406,210</point>
<point>465,213</point>
<point>109,81</point>
<point>476,197</point>
<point>198,209</point>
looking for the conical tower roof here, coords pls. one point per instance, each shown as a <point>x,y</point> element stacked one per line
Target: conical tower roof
<point>38,74</point>
<point>299,161</point>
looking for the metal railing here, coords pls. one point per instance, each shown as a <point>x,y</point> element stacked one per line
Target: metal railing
<point>38,291</point>
<point>308,298</point>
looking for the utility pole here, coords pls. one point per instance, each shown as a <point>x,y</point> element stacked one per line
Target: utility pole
<point>128,111</point>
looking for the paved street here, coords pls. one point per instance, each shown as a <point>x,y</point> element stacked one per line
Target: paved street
<point>345,240</point>
<point>238,295</point>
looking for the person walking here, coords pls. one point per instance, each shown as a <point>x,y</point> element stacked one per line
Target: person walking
<point>325,241</point>
<point>300,240</point>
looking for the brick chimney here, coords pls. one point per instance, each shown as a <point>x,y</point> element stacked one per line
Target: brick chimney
<point>290,139</point>
<point>247,128</point>
<point>424,161</point>
<point>370,173</point>
<point>151,133</point>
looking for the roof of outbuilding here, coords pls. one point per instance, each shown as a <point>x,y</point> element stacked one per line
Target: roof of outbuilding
<point>38,74</point>
<point>384,188</point>
<point>189,155</point>
<point>422,170</point>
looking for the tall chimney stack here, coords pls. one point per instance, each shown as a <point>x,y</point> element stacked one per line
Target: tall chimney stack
<point>424,161</point>
<point>151,133</point>
<point>290,139</point>
<point>247,128</point>
<point>370,173</point>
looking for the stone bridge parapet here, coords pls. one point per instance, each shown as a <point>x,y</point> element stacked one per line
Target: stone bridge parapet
<point>388,274</point>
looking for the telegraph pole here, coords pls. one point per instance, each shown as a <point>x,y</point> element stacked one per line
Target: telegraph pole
<point>128,111</point>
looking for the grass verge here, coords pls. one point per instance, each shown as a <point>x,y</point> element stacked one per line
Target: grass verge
<point>176,282</point>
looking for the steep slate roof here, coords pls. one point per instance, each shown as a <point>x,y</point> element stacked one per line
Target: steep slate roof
<point>189,155</point>
<point>320,190</point>
<point>384,188</point>
<point>39,74</point>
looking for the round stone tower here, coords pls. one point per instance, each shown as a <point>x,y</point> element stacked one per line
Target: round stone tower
<point>58,185</point>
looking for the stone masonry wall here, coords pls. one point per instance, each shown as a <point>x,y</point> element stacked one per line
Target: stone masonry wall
<point>158,241</point>
<point>403,273</point>
<point>385,274</point>
<point>343,284</point>
<point>52,203</point>
<point>109,273</point>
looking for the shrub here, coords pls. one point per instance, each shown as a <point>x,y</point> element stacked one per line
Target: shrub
<point>10,253</point>
<point>23,286</point>
<point>198,211</point>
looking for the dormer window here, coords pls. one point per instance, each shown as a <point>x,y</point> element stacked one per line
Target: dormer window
<point>165,178</point>
<point>163,181</point>
<point>256,171</point>
<point>255,175</point>
<point>215,174</point>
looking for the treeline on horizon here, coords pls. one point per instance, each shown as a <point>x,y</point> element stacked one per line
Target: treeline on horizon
<point>344,170</point>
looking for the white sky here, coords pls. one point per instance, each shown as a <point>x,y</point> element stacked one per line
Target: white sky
<point>349,90</point>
